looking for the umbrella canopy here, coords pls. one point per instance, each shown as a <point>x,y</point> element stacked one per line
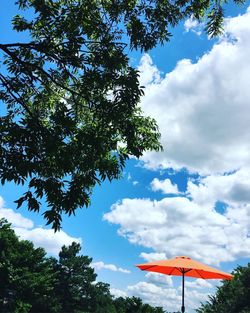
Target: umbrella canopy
<point>184,266</point>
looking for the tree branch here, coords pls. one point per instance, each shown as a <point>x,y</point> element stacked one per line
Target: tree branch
<point>18,100</point>
<point>39,68</point>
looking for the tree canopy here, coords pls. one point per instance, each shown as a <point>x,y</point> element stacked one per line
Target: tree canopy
<point>27,276</point>
<point>72,98</point>
<point>31,282</point>
<point>233,296</point>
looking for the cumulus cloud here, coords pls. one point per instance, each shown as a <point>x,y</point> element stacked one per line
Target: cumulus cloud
<point>149,257</point>
<point>16,219</point>
<point>118,293</point>
<point>46,238</point>
<point>165,186</point>
<point>101,265</point>
<point>146,290</point>
<point>168,297</point>
<point>202,108</point>
<point>158,290</point>
<point>199,284</point>
<point>150,73</point>
<point>193,25</point>
<point>181,225</point>
<point>41,237</point>
<point>230,188</point>
<point>159,279</point>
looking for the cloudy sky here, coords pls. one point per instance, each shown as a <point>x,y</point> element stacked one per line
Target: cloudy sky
<point>191,199</point>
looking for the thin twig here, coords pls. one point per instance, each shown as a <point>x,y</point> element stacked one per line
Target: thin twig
<point>18,100</point>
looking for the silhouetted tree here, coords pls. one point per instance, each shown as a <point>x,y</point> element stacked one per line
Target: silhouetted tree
<point>75,280</point>
<point>26,275</point>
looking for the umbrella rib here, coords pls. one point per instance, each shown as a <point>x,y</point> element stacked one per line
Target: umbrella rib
<point>170,273</point>
<point>199,274</point>
<point>147,268</point>
<point>187,270</point>
<point>222,276</point>
<point>182,270</point>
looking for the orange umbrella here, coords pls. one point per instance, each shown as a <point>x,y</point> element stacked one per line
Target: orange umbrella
<point>184,266</point>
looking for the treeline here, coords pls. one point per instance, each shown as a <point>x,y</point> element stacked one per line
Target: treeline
<point>31,282</point>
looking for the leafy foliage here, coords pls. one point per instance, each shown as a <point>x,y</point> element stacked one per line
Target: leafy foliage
<point>72,99</point>
<point>76,277</point>
<point>134,305</point>
<point>233,296</point>
<point>32,282</point>
<point>27,276</point>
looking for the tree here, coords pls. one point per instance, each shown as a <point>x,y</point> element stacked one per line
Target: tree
<point>233,296</point>
<point>27,277</point>
<point>75,280</point>
<point>134,305</point>
<point>72,99</point>
<point>101,299</point>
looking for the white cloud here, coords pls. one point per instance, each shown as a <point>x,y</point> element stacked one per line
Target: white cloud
<point>193,25</point>
<point>165,186</point>
<point>46,238</point>
<point>190,23</point>
<point>41,237</point>
<point>159,279</point>
<point>231,188</point>
<point>101,265</point>
<point>159,290</point>
<point>145,288</point>
<point>130,179</point>
<point>202,108</point>
<point>198,284</point>
<point>156,295</point>
<point>16,219</point>
<point>118,293</point>
<point>143,215</point>
<point>180,226</point>
<point>149,257</point>
<point>169,297</point>
<point>150,73</point>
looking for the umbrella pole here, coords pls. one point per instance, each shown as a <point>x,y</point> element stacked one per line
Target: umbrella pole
<point>183,307</point>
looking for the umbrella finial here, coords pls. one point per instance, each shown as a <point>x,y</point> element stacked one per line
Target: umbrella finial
<point>183,257</point>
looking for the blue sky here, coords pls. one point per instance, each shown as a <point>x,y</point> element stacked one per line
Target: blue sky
<point>193,198</point>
